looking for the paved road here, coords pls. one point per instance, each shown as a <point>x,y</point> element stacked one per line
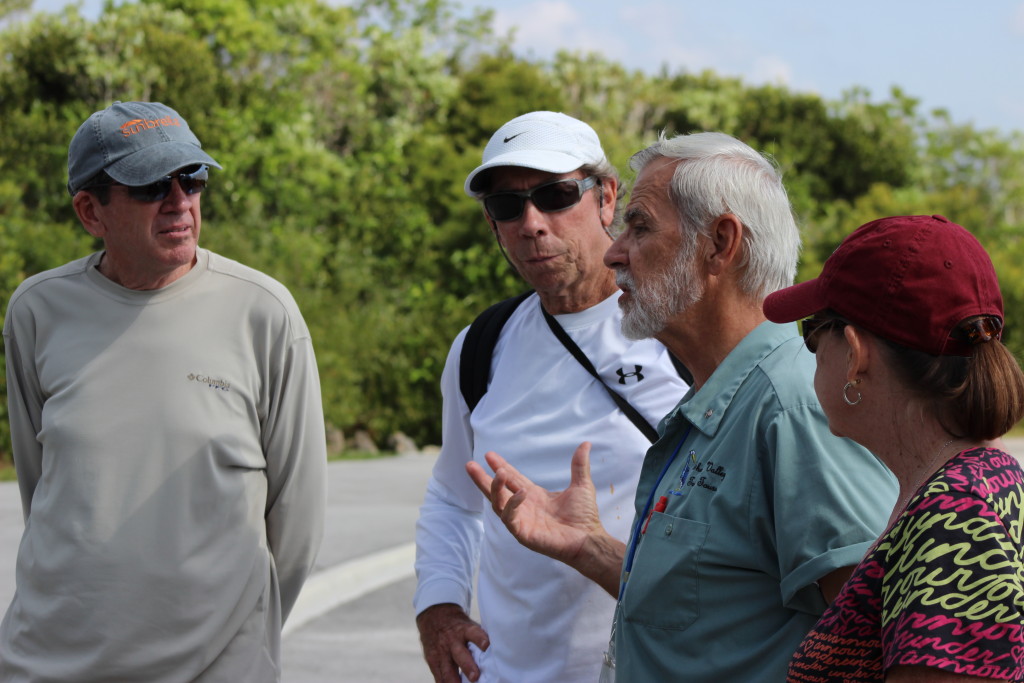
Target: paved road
<point>354,620</point>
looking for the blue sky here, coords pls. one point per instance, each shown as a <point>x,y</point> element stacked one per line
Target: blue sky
<point>966,56</point>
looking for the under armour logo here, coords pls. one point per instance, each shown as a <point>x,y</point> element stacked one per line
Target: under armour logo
<point>623,375</point>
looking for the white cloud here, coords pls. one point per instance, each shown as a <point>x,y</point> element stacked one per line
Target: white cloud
<point>638,36</point>
<point>660,34</point>
<point>545,26</point>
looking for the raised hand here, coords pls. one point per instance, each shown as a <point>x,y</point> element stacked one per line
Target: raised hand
<point>565,525</point>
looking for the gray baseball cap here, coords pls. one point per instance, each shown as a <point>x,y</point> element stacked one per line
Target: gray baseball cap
<point>136,143</point>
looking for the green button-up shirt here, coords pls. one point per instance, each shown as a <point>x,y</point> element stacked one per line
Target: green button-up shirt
<point>760,501</point>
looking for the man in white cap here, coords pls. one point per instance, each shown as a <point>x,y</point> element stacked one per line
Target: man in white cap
<point>167,432</point>
<point>549,196</point>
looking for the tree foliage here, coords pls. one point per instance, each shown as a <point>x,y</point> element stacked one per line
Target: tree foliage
<point>346,132</point>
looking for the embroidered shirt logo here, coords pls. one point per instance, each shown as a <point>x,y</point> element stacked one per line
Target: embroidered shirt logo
<point>211,382</point>
<point>707,475</point>
<point>623,374</point>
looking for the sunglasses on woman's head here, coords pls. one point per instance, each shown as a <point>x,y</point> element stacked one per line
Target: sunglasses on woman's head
<point>557,195</point>
<point>192,180</point>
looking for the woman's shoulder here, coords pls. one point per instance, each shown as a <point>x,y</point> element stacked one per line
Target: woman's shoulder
<point>985,472</point>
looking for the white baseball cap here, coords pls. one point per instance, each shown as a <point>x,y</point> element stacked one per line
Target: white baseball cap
<point>543,140</point>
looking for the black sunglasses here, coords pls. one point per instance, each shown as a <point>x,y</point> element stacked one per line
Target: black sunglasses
<point>192,181</point>
<point>812,327</point>
<point>558,195</point>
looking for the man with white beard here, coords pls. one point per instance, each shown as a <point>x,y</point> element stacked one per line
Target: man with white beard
<point>749,514</point>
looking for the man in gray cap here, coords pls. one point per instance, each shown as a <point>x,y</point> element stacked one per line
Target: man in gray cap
<point>167,432</point>
<point>549,196</point>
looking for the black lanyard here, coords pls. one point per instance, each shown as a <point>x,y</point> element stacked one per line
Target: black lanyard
<point>634,416</point>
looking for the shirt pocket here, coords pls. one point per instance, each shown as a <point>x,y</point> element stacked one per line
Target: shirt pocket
<point>663,590</point>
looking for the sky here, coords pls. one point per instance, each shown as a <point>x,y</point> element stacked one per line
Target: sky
<point>965,56</point>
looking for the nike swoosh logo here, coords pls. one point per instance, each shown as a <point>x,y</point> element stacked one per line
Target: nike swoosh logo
<point>508,139</point>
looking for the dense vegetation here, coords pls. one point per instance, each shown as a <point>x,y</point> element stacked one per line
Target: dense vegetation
<point>346,133</point>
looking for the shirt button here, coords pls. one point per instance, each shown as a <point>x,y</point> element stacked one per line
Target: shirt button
<point>709,413</point>
<point>668,530</point>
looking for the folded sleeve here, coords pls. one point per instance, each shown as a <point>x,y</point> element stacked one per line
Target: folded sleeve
<point>831,499</point>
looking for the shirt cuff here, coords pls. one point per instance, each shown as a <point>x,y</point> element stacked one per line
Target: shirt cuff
<point>800,589</point>
<point>440,591</point>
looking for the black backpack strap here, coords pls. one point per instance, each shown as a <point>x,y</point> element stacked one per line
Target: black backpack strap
<point>634,416</point>
<point>478,347</point>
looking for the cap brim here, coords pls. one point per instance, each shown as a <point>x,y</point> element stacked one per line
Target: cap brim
<point>549,162</point>
<point>152,163</point>
<point>794,303</point>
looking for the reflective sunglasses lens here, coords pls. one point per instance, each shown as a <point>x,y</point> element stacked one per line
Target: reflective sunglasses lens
<point>153,192</point>
<point>556,196</point>
<point>504,207</point>
<point>191,183</point>
<point>194,181</point>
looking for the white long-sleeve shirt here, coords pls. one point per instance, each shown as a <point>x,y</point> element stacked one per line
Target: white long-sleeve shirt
<point>545,621</point>
<point>171,459</point>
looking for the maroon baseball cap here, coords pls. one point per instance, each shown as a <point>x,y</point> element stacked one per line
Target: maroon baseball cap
<point>908,279</point>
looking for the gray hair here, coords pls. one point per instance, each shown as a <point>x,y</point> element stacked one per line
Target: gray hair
<point>723,175</point>
<point>604,170</point>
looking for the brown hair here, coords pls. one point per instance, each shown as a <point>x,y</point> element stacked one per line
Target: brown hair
<point>980,396</point>
<point>99,187</point>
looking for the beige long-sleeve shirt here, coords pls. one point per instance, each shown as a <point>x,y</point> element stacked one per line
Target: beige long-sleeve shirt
<point>171,458</point>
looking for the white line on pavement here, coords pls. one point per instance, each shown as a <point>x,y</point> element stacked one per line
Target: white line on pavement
<point>345,582</point>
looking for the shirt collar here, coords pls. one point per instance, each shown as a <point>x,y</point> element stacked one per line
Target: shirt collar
<point>706,408</point>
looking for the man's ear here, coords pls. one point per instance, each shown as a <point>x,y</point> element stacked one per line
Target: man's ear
<point>87,207</point>
<point>609,193</point>
<point>494,225</point>
<point>726,233</point>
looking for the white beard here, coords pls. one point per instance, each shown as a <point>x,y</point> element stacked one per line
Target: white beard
<point>660,297</point>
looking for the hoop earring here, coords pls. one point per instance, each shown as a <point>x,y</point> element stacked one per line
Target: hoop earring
<point>851,385</point>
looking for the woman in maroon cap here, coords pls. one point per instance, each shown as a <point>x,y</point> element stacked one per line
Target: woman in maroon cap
<point>906,319</point>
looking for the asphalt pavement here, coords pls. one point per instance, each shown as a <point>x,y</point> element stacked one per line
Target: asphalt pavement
<point>353,621</point>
